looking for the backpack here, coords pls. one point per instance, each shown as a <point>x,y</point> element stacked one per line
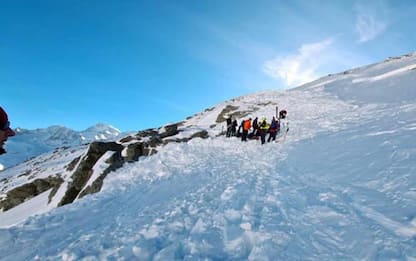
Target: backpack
<point>246,125</point>
<point>275,124</point>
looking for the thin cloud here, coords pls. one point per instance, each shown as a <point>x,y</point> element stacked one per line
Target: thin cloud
<point>369,22</point>
<point>297,69</point>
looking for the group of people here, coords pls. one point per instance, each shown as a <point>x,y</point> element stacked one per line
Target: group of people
<point>247,129</point>
<point>255,129</point>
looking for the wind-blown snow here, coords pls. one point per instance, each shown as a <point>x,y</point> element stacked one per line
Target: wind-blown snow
<point>340,186</point>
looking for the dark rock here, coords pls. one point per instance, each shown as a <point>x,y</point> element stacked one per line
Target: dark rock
<point>84,171</point>
<point>27,191</point>
<point>225,112</point>
<point>72,164</point>
<point>170,130</point>
<point>147,133</point>
<point>264,104</point>
<point>154,141</point>
<point>26,173</point>
<point>127,139</point>
<point>200,134</point>
<point>116,161</point>
<point>134,151</point>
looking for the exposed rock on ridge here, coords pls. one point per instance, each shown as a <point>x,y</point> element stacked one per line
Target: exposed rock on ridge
<point>80,170</point>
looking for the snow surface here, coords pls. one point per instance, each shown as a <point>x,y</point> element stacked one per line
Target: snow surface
<point>340,186</point>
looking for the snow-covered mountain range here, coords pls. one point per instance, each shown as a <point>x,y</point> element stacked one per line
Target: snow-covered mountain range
<point>341,185</point>
<point>30,143</point>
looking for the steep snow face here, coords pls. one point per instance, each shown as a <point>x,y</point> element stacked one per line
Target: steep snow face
<point>30,143</point>
<point>340,185</point>
<point>388,82</point>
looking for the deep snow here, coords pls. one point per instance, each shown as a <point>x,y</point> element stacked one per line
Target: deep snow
<point>340,186</point>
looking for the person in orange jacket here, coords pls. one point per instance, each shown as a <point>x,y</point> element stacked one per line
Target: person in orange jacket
<point>246,129</point>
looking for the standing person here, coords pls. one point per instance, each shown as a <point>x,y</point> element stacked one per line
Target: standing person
<point>234,127</point>
<point>240,129</point>
<point>284,123</point>
<point>255,127</point>
<point>246,129</point>
<point>263,129</point>
<point>274,128</point>
<point>229,120</point>
<point>5,130</point>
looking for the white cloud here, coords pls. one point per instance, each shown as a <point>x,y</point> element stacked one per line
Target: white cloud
<point>369,23</point>
<point>299,68</point>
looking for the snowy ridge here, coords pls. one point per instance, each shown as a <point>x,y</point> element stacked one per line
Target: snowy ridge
<point>340,186</point>
<point>30,143</point>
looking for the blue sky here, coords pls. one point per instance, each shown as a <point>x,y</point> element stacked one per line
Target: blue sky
<point>142,64</point>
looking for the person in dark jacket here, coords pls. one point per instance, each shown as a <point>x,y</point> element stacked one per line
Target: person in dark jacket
<point>5,130</point>
<point>229,121</point>
<point>234,128</point>
<point>274,128</point>
<point>240,129</point>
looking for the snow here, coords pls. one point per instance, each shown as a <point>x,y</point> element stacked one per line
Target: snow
<point>386,75</point>
<point>340,186</point>
<point>34,206</point>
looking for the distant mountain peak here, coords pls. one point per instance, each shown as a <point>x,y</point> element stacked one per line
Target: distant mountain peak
<point>31,143</point>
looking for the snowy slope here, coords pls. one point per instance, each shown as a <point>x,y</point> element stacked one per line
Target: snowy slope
<point>340,186</point>
<point>30,143</point>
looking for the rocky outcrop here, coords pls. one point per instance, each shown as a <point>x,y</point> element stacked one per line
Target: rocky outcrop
<point>20,194</point>
<point>203,134</point>
<point>170,130</point>
<point>116,161</point>
<point>226,112</point>
<point>85,168</point>
<point>144,143</point>
<point>72,164</point>
<point>79,171</point>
